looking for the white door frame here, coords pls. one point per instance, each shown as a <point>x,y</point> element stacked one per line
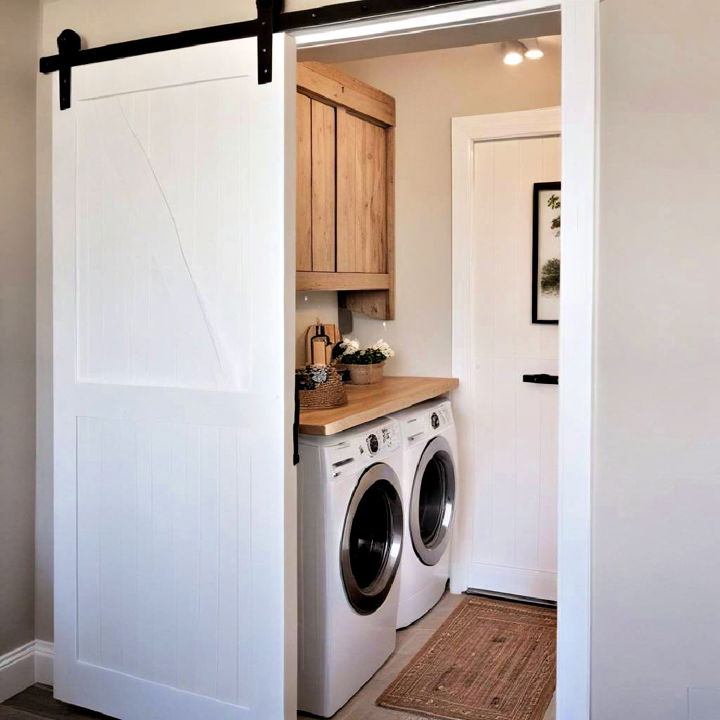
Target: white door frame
<point>580,25</point>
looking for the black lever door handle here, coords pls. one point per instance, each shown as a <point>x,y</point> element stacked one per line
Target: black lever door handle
<point>296,425</point>
<point>541,379</point>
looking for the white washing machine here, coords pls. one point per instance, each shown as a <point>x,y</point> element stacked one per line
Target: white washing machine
<point>350,540</point>
<point>428,482</point>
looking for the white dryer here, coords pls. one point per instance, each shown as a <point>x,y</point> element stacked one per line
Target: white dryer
<point>429,494</point>
<point>350,541</point>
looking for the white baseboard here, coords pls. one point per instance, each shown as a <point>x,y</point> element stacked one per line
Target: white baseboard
<point>539,584</point>
<point>24,666</point>
<point>17,670</point>
<point>44,655</point>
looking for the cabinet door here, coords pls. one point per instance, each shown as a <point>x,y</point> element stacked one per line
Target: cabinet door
<point>303,211</point>
<point>323,187</point>
<point>361,195</point>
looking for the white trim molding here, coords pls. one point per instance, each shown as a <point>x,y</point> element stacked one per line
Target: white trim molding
<point>580,71</point>
<point>24,666</point>
<point>422,21</point>
<point>17,670</point>
<point>44,658</point>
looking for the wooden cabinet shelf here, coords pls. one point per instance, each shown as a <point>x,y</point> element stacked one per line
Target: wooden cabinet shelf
<point>342,281</point>
<point>345,189</point>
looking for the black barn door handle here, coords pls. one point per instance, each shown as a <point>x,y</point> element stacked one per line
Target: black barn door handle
<point>541,379</point>
<point>296,425</point>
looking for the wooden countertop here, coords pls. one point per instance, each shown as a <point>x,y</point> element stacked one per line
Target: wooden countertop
<point>369,402</point>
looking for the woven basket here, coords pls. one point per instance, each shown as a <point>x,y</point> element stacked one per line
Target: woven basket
<point>330,394</point>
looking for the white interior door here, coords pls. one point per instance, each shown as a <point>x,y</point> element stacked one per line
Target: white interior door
<point>508,429</point>
<point>173,203</point>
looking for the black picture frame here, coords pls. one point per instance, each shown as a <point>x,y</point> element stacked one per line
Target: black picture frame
<point>539,188</point>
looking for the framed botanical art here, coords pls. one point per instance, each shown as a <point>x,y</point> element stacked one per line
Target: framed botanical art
<point>546,253</point>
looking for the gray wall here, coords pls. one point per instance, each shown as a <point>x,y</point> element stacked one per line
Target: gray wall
<point>18,56</point>
<point>656,502</point>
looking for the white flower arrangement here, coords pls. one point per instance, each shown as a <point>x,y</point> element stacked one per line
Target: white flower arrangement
<point>351,345</point>
<point>353,354</point>
<point>384,348</point>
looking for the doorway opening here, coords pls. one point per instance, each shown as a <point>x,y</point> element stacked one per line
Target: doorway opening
<point>399,61</point>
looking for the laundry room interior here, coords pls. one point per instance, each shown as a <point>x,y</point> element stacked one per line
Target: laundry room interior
<point>428,225</point>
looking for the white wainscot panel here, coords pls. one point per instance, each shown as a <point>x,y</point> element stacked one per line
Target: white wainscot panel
<point>164,553</point>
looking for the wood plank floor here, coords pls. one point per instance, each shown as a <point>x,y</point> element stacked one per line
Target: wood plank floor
<point>409,641</point>
<point>38,703</point>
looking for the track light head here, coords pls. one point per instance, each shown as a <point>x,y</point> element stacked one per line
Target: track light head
<point>513,52</point>
<point>533,51</point>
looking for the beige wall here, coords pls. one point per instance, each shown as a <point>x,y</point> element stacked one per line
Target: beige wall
<point>656,498</point>
<point>18,54</point>
<point>430,89</point>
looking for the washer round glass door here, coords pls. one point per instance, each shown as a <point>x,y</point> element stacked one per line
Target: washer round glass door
<point>432,503</point>
<point>372,539</point>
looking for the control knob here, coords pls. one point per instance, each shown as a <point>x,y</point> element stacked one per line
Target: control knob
<point>373,443</point>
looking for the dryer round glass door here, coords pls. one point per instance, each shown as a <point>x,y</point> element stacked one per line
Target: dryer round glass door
<point>372,539</point>
<point>432,504</point>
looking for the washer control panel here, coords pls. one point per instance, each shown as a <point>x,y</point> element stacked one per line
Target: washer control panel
<point>425,421</point>
<point>440,416</point>
<point>369,444</point>
<point>383,438</point>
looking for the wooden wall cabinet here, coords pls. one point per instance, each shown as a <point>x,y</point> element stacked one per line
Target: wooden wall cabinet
<point>345,189</point>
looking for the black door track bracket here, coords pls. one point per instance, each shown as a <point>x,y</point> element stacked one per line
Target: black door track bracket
<point>68,43</point>
<point>267,11</point>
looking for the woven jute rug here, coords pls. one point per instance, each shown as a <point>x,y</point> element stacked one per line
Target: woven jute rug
<point>490,660</point>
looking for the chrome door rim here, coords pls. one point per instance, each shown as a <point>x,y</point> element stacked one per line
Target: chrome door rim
<point>431,553</point>
<point>368,599</point>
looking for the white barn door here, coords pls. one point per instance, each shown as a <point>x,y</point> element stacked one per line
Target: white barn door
<point>173,273</point>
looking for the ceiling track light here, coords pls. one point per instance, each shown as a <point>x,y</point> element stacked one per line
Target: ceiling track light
<point>513,52</point>
<point>533,50</point>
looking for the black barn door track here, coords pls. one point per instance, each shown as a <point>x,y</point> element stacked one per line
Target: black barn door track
<point>270,19</point>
